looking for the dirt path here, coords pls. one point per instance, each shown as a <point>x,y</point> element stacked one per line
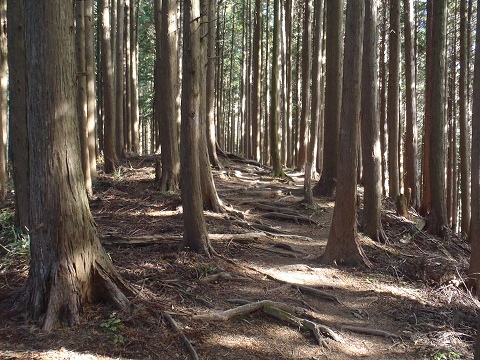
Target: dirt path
<point>408,306</point>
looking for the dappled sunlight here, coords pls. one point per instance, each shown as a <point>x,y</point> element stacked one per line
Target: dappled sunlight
<point>59,354</point>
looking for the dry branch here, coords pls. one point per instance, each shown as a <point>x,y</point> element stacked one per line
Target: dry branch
<point>316,292</point>
<point>222,276</point>
<point>369,331</point>
<point>177,330</point>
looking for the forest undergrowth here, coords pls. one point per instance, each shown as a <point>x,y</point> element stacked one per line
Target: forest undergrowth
<point>265,295</point>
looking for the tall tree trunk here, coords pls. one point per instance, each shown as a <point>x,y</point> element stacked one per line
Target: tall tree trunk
<point>474,269</point>
<point>383,99</point>
<point>333,76</point>
<point>166,75</point>
<point>18,140</point>
<point>134,116</point>
<point>210,81</point>
<point>274,94</point>
<point>256,76</point>
<point>370,126</point>
<point>426,171</point>
<point>3,99</point>
<point>437,217</point>
<point>288,80</point>
<point>91,93</point>
<point>463,122</point>
<point>393,110</point>
<point>120,79</point>
<point>316,99</point>
<point>343,247</point>
<point>110,153</point>
<point>306,74</point>
<point>82,92</point>
<point>195,236</point>
<point>411,164</point>
<point>60,281</point>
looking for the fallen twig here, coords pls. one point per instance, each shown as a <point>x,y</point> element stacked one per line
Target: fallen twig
<point>177,330</point>
<point>222,276</point>
<point>369,331</point>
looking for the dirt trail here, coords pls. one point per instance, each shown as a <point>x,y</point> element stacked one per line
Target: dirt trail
<point>408,306</point>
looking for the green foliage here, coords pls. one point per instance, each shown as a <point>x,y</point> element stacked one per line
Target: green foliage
<point>449,355</point>
<point>204,270</point>
<point>14,241</point>
<point>114,325</point>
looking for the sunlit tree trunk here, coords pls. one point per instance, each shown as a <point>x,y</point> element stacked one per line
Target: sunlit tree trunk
<point>110,155</point>
<point>316,99</point>
<point>393,118</point>
<point>274,94</point>
<point>370,127</point>
<point>306,78</point>
<point>343,247</point>
<point>411,184</point>
<point>68,266</point>
<point>82,92</point>
<point>256,85</point>
<point>195,236</point>
<point>134,116</point>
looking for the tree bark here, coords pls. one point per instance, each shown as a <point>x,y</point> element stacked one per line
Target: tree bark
<point>274,94</point>
<point>437,218</point>
<point>68,265</point>
<point>316,100</point>
<point>370,126</point>
<point>411,163</point>
<point>333,77</point>
<point>82,111</point>
<point>306,74</point>
<point>343,247</point>
<point>120,80</point>
<point>166,75</point>
<point>393,105</point>
<point>110,155</point>
<point>195,237</point>
<point>463,123</point>
<point>3,99</point>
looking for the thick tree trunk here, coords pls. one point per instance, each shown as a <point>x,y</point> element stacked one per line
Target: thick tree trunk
<point>195,236</point>
<point>134,116</point>
<point>68,265</point>
<point>256,87</point>
<point>333,76</point>
<point>343,247</point>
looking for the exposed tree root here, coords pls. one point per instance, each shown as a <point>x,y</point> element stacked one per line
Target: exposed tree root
<point>177,330</point>
<point>316,292</point>
<point>279,311</point>
<point>222,276</point>
<point>296,218</point>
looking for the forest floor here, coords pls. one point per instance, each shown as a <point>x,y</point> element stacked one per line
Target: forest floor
<point>409,305</point>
